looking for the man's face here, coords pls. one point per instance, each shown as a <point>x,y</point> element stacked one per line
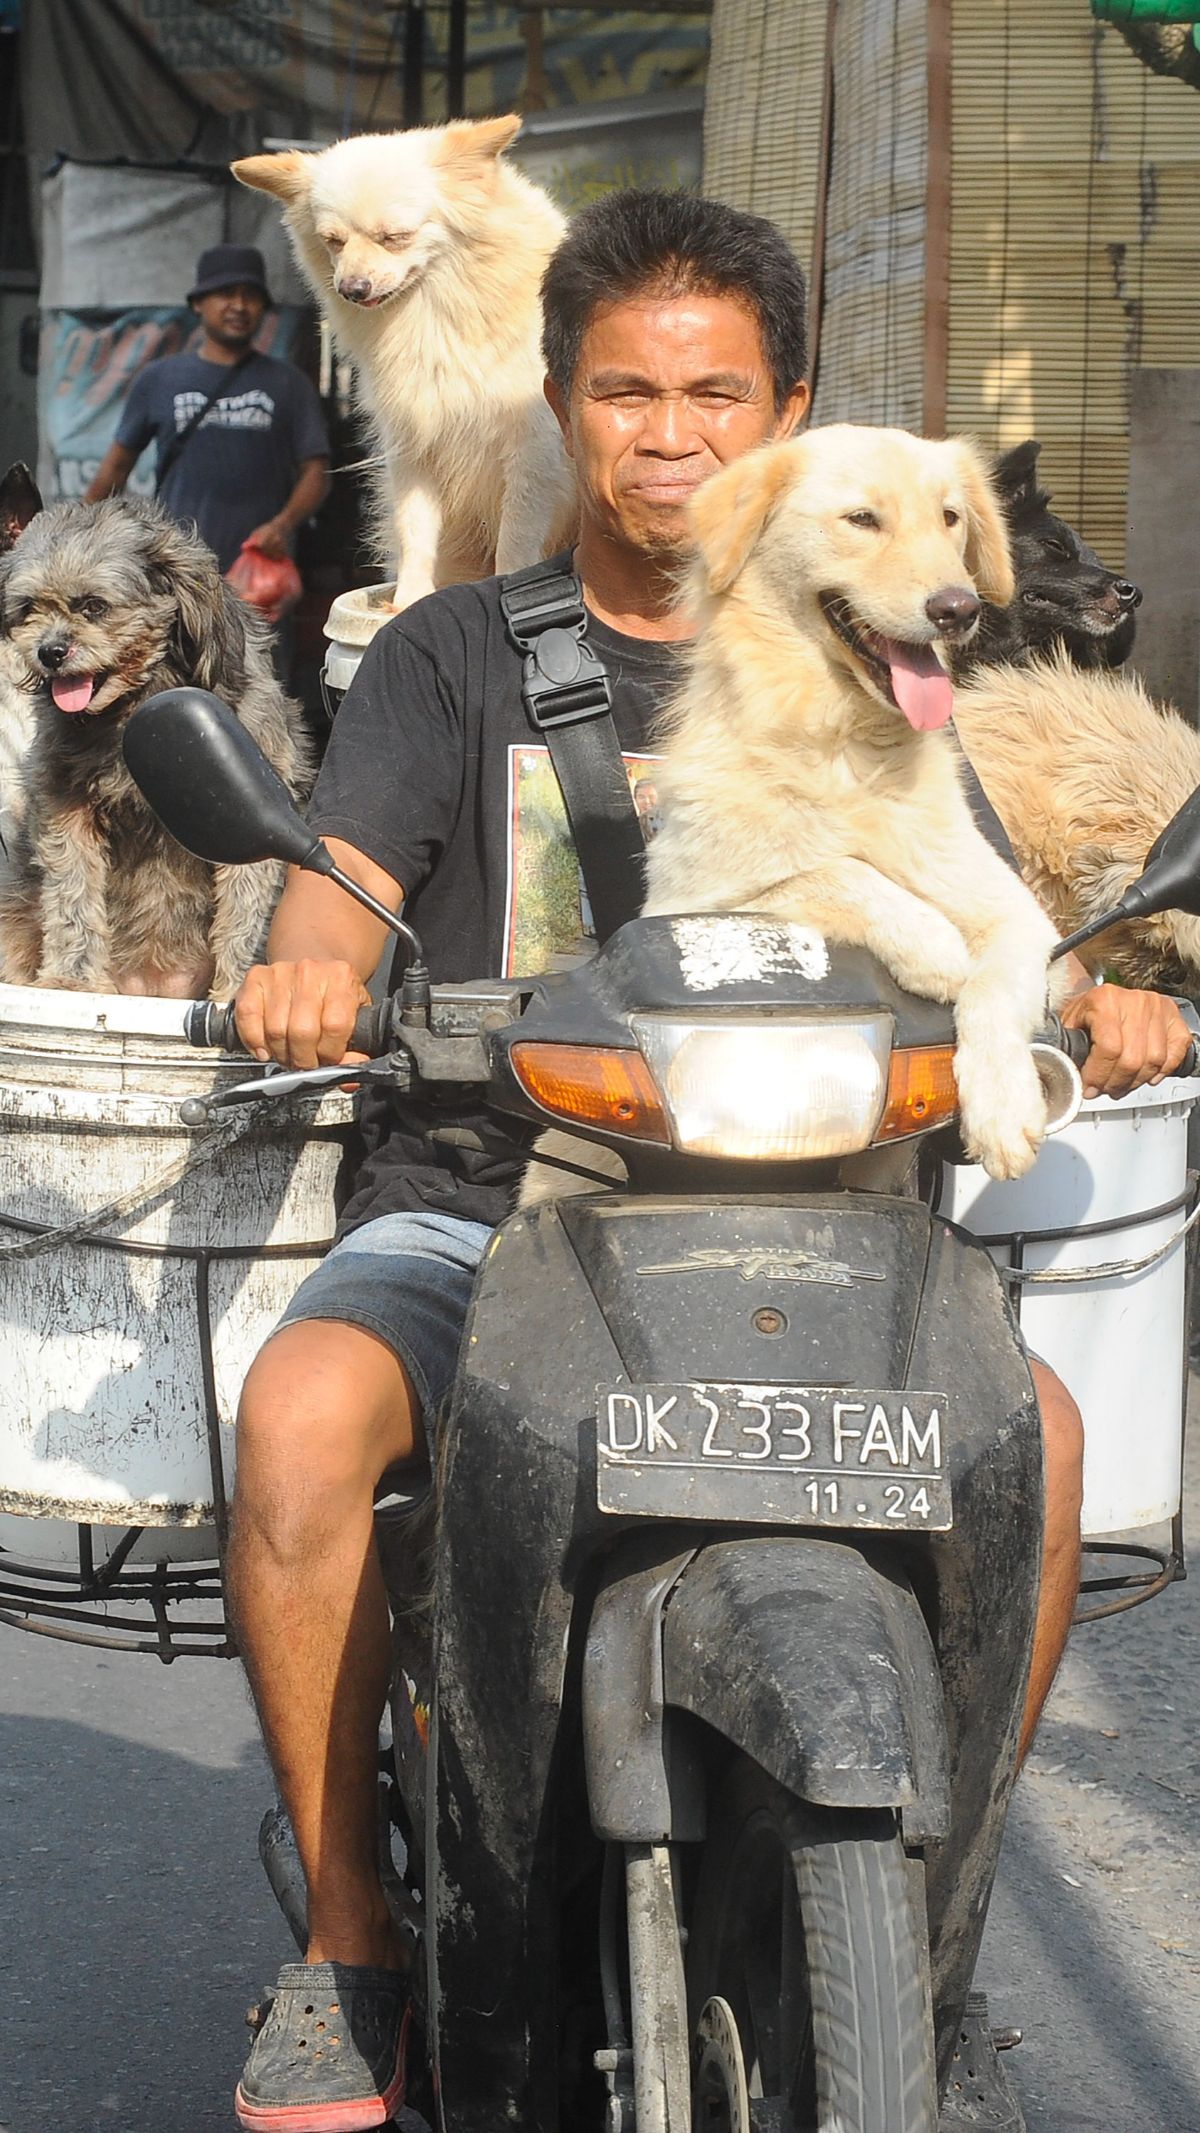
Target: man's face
<point>666,390</point>
<point>232,316</point>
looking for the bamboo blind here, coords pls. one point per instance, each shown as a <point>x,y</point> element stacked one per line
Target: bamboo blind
<point>762,111</point>
<point>1074,242</point>
<point>872,339</point>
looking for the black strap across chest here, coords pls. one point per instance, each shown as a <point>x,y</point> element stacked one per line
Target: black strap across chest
<point>568,699</point>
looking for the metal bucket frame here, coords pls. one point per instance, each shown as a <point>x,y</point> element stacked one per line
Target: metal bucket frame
<point>1169,1562</point>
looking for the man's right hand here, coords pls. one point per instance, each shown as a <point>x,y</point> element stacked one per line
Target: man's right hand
<point>300,1014</point>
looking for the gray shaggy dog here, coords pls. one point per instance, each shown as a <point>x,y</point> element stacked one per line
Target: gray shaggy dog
<point>103,605</point>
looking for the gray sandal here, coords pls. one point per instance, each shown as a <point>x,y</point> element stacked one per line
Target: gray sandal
<point>329,2057</point>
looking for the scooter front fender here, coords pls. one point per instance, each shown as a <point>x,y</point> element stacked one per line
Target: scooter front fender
<point>818,1664</point>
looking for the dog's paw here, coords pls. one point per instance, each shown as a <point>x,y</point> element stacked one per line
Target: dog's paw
<point>936,966</point>
<point>1002,1108</point>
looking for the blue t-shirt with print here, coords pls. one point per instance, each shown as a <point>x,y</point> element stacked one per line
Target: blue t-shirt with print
<point>239,465</point>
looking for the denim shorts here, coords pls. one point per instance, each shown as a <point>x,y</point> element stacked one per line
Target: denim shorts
<point>407,1278</point>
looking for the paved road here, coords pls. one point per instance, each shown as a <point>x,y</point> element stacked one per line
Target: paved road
<point>1093,1943</point>
<point>136,1926</point>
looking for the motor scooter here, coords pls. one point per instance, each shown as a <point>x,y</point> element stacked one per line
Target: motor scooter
<point>703,1748</point>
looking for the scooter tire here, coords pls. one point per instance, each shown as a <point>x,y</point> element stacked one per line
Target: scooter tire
<point>850,2044</point>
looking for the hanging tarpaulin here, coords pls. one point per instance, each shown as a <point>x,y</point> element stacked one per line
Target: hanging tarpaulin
<point>207,80</point>
<point>1145,10</point>
<point>1165,34</point>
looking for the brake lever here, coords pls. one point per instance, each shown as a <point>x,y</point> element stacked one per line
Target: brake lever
<point>280,1082</point>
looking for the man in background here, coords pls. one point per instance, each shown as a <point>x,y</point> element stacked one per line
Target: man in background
<point>243,452</point>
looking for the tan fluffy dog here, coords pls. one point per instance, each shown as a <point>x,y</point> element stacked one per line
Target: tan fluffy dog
<point>805,774</point>
<point>425,251</point>
<point>1085,770</point>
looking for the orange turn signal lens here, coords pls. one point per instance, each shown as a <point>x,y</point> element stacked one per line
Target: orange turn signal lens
<point>612,1090</point>
<point>921,1092</point>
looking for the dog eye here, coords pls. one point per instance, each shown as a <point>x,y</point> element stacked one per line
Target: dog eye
<point>92,609</point>
<point>1057,547</point>
<point>863,518</point>
<point>334,244</point>
<point>951,517</point>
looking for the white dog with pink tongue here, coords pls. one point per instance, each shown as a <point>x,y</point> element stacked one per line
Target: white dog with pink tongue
<point>809,771</point>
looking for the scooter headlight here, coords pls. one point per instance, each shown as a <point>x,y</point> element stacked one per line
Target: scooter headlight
<point>760,1088</point>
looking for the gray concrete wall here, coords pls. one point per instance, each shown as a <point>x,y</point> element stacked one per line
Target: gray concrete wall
<point>18,392</point>
<point>1162,552</point>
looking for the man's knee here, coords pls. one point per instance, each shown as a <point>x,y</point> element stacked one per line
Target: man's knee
<point>1062,1434</point>
<point>325,1408</point>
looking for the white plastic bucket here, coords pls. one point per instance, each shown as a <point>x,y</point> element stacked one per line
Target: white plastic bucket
<point>104,1416</point>
<point>349,626</point>
<point>1118,1341</point>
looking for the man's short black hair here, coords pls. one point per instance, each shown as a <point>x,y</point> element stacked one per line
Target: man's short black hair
<point>673,244</point>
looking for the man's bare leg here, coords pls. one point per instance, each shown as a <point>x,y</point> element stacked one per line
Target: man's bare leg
<point>1062,1430</point>
<point>325,1410</point>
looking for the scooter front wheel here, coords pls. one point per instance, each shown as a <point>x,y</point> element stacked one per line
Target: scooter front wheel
<point>803,1923</point>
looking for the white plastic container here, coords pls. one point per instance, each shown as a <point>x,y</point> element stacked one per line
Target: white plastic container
<point>104,1414</point>
<point>349,626</point>
<point>1118,1341</point>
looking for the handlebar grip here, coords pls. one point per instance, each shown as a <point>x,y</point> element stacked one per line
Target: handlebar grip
<point>212,1024</point>
<point>1077,1044</point>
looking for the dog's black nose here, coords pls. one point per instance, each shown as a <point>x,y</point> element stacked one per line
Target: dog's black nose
<point>952,610</point>
<point>51,653</point>
<point>1129,594</point>
<point>355,290</point>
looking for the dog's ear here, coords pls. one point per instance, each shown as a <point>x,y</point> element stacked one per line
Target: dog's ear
<point>1014,474</point>
<point>287,175</point>
<point>20,501</point>
<point>730,510</point>
<point>988,558</point>
<point>476,140</point>
<point>207,637</point>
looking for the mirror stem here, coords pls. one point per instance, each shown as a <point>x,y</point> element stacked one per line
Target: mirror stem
<point>1086,933</point>
<point>414,989</point>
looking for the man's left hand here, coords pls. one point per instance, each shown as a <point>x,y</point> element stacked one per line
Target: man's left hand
<point>1137,1037</point>
<point>271,538</point>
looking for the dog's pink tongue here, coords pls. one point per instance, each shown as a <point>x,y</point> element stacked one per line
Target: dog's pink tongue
<point>72,692</point>
<point>920,684</point>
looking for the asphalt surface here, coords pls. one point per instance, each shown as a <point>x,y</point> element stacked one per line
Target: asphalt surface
<point>136,1925</point>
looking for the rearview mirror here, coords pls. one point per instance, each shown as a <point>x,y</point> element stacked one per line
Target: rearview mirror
<point>212,787</point>
<point>1169,881</point>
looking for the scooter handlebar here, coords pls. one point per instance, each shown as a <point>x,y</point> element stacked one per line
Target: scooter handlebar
<point>1077,1044</point>
<point>212,1024</point>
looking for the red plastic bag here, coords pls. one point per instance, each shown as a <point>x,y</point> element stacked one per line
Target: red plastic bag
<point>270,583</point>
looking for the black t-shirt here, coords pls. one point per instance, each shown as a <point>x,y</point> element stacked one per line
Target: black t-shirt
<point>434,771</point>
<point>239,466</point>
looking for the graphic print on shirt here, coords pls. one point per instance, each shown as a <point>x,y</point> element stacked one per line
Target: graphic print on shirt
<point>546,911</point>
<point>251,410</point>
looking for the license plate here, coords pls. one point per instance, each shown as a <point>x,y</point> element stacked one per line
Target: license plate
<point>775,1454</point>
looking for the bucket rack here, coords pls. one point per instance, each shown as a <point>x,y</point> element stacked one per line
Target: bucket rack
<point>1167,1564</point>
<point>87,1605</point>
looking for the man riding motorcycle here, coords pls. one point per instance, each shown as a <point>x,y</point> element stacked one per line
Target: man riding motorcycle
<point>674,339</point>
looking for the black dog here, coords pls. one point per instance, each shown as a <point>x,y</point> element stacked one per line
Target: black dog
<point>1064,595</point>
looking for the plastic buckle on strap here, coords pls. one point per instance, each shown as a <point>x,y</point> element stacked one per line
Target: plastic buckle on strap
<point>563,682</point>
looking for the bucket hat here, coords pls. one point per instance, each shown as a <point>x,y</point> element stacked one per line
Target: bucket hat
<point>224,264</point>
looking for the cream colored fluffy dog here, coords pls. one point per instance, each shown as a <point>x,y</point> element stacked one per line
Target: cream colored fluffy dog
<point>1085,770</point>
<point>807,769</point>
<point>425,251</point>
